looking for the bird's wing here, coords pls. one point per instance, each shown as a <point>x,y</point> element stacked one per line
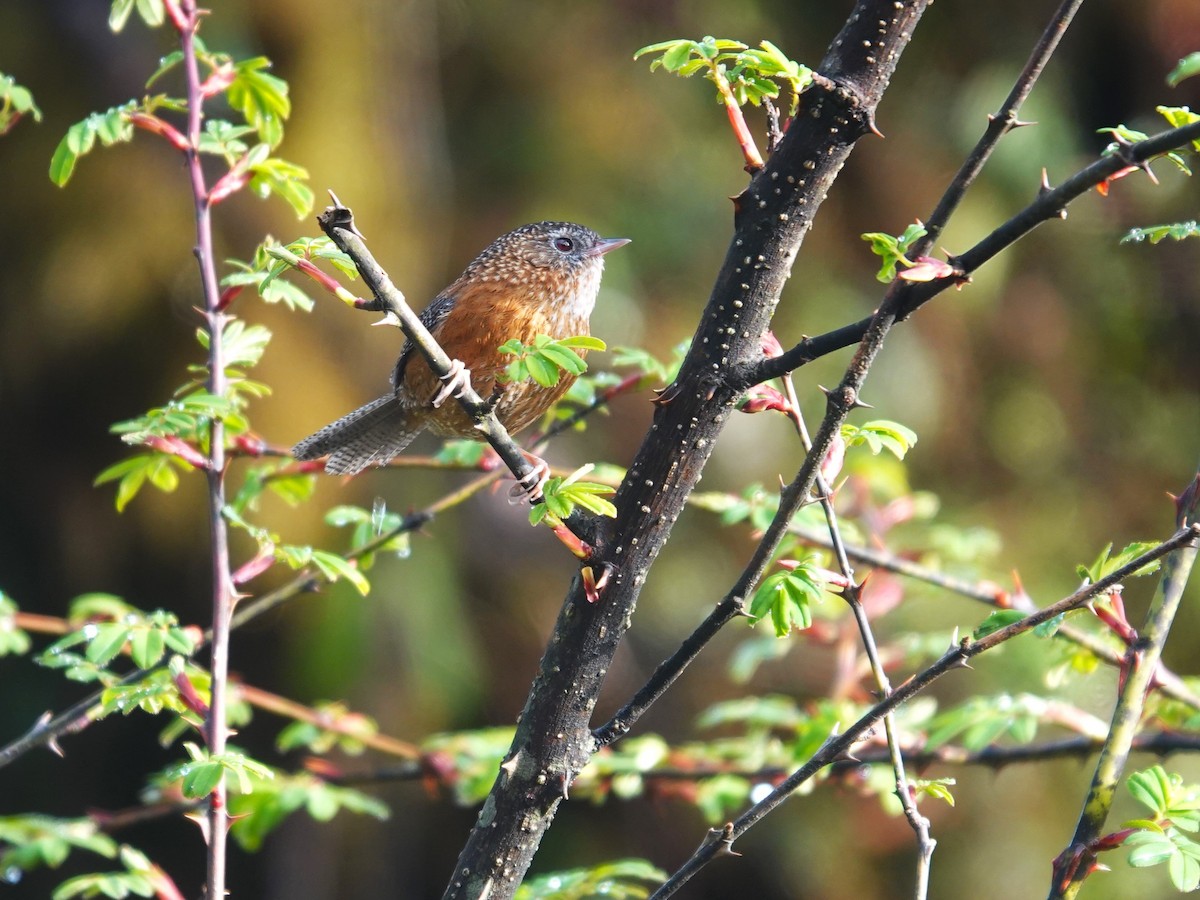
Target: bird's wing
<point>431,317</point>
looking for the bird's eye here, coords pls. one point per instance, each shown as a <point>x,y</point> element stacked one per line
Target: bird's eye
<point>564,244</point>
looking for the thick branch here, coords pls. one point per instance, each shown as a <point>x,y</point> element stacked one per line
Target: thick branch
<point>553,741</point>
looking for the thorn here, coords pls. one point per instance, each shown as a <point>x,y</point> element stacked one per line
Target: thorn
<point>723,836</point>
<point>509,766</point>
<point>1021,123</point>
<point>348,217</point>
<point>872,128</point>
<point>741,611</point>
<point>1045,186</point>
<point>200,817</point>
<point>390,318</point>
<point>663,396</point>
<point>858,403</point>
<point>566,784</point>
<point>593,587</point>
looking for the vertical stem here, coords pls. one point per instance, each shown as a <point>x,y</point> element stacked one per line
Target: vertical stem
<point>222,581</point>
<point>1078,860</point>
<point>852,594</point>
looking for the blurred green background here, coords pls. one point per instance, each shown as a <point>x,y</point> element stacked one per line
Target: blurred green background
<point>1056,398</point>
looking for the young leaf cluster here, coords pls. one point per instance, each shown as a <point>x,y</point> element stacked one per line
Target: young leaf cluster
<point>891,249</point>
<point>787,597</point>
<point>1167,837</point>
<point>748,75</point>
<point>247,87</point>
<point>113,627</point>
<point>546,359</point>
<point>16,102</point>
<point>560,496</point>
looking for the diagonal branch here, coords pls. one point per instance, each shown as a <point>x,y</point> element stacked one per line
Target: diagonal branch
<point>1051,203</point>
<point>957,657</point>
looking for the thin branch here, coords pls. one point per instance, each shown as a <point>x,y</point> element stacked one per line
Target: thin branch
<point>345,724</point>
<point>957,657</point>
<point>223,592</point>
<point>337,222</point>
<point>1165,681</point>
<point>1050,203</point>
<point>1004,121</point>
<point>852,594</point>
<point>1161,744</point>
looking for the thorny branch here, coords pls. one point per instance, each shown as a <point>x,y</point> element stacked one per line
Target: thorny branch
<point>957,657</point>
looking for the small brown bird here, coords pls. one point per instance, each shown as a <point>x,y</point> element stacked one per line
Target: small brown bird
<point>539,279</point>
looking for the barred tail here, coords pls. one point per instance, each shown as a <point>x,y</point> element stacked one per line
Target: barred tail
<point>371,434</point>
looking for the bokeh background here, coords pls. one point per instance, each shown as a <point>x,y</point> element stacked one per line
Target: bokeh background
<point>1057,398</point>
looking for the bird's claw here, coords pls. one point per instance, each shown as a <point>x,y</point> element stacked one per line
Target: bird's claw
<point>454,381</point>
<point>529,486</point>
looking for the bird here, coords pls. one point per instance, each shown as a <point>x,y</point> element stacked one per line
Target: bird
<point>541,278</point>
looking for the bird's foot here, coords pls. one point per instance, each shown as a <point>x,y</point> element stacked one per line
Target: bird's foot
<point>529,486</point>
<point>454,383</point>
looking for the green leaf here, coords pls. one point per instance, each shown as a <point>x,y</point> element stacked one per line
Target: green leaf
<point>284,180</point>
<point>1150,849</point>
<point>1186,68</point>
<point>15,102</point>
<point>622,879</point>
<point>1107,562</point>
<point>334,567</point>
<point>879,435</point>
<point>147,646</point>
<point>108,640</point>
<point>261,97</point>
<point>891,249</point>
<point>1152,788</point>
<point>787,597</point>
<point>1176,231</point>
<point>1001,618</point>
<point>111,127</point>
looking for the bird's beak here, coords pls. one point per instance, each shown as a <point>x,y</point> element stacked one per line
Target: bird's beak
<point>606,244</point>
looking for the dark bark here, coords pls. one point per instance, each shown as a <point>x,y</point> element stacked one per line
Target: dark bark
<point>553,740</point>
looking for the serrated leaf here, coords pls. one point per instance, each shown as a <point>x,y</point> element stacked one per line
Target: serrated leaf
<point>109,639</point>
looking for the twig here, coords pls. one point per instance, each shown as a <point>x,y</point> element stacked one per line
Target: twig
<point>957,657</point>
<point>1049,204</point>
<point>852,594</point>
<point>223,593</point>
<point>337,222</point>
<point>1004,121</point>
<point>290,709</point>
<point>1160,744</point>
<point>1165,680</point>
